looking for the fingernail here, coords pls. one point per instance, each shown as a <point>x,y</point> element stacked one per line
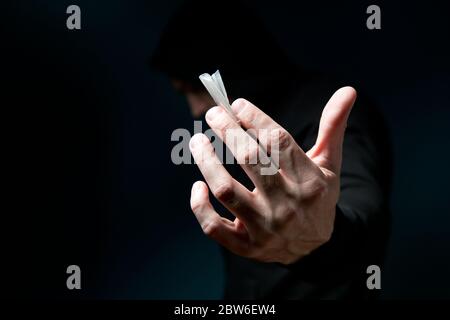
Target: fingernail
<point>213,113</point>
<point>196,186</point>
<point>197,140</point>
<point>194,142</point>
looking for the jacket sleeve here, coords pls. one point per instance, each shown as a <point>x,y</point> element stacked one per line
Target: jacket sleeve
<point>362,214</point>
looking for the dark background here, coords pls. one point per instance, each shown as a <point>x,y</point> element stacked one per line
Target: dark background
<point>88,125</point>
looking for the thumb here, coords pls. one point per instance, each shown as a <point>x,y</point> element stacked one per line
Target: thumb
<point>327,152</point>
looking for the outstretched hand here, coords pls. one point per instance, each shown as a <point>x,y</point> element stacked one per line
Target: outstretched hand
<point>289,213</point>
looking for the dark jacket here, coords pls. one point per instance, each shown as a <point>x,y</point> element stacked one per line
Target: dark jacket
<point>337,269</point>
<point>254,67</point>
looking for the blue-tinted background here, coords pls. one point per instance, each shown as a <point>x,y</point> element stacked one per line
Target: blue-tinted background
<point>91,136</point>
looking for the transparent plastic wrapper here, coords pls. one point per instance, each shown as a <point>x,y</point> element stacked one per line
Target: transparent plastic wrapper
<point>214,85</point>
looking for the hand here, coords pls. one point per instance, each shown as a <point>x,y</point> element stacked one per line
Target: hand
<point>289,213</point>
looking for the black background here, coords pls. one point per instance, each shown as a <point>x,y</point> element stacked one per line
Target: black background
<point>87,143</point>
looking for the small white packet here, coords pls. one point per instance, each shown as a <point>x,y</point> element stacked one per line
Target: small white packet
<point>214,85</point>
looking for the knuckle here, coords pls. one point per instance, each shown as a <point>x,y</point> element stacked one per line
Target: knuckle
<point>313,189</point>
<point>284,139</point>
<point>211,227</point>
<point>225,124</point>
<point>319,187</point>
<point>247,114</point>
<point>251,154</point>
<point>197,206</point>
<point>224,192</point>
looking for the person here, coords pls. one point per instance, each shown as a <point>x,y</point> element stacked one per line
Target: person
<point>310,230</point>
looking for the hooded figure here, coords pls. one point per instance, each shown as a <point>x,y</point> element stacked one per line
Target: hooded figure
<point>204,36</point>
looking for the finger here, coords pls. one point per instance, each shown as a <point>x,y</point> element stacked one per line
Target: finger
<point>214,226</point>
<point>232,194</point>
<point>327,152</point>
<point>244,148</point>
<point>274,138</point>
